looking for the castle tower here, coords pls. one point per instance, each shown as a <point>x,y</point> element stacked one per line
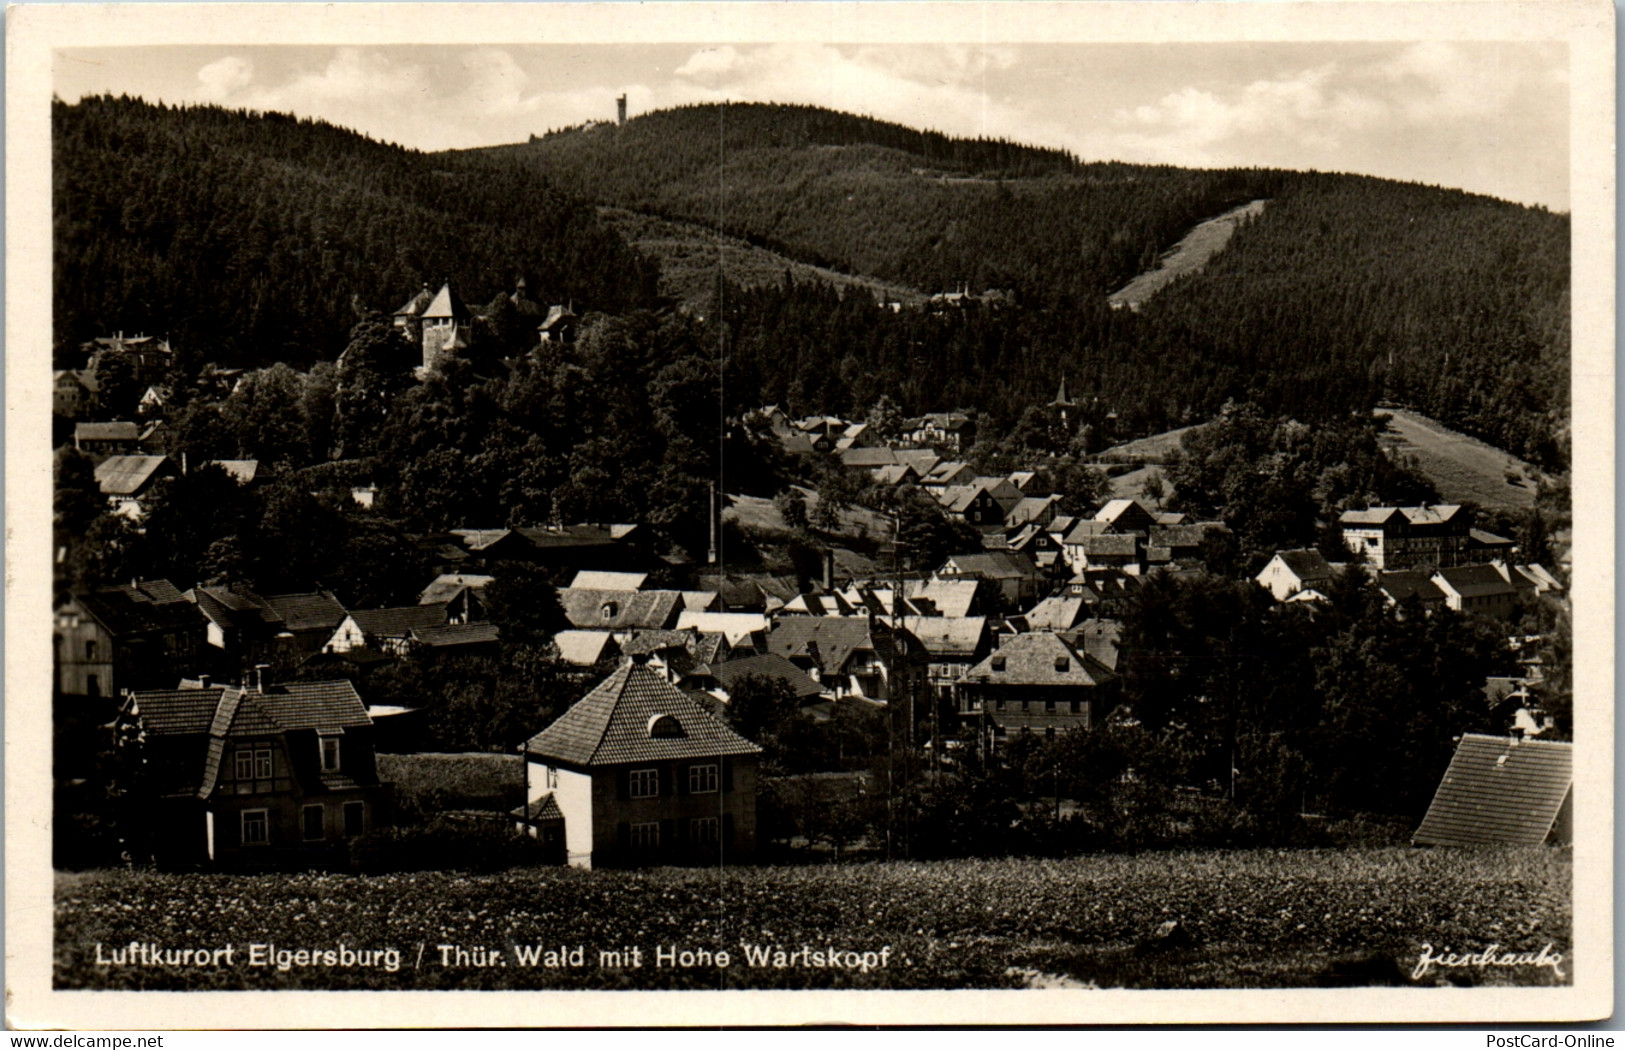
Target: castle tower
<point>620,111</point>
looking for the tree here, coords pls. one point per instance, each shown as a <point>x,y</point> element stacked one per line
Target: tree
<point>1154,489</point>
<point>759,708</point>
<point>376,366</point>
<point>524,604</point>
<point>885,418</point>
<point>792,507</point>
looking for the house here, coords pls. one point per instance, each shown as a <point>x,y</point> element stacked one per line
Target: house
<point>439,323</point>
<point>865,458</point>
<point>107,439</point>
<point>1503,791</point>
<point>620,611</point>
<point>953,598</point>
<point>270,777</point>
<point>1292,571</point>
<point>127,481</point>
<point>846,655</point>
<point>241,626</point>
<point>1428,537</point>
<point>1038,511</point>
<point>738,628</point>
<point>1058,612</point>
<point>73,392</point>
<point>1107,591</point>
<point>1480,589</point>
<point>1013,577</point>
<point>637,773</point>
<point>728,674</point>
<point>462,594</point>
<point>946,474</point>
<point>952,646</point>
<point>894,474</point>
<point>1402,586</point>
<point>585,648</point>
<point>1037,683</point>
<point>811,604</point>
<point>593,580</point>
<point>952,430</point>
<point>137,636</point>
<point>750,593</point>
<point>462,638</point>
<point>1086,549</point>
<point>147,358</point>
<point>560,326</point>
<point>1097,638</point>
<point>921,460</point>
<point>384,630</point>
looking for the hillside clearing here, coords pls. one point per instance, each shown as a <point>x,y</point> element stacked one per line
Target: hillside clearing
<point>1203,242</point>
<point>1460,467</point>
<point>1258,918</point>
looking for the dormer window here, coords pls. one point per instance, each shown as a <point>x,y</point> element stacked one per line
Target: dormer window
<point>330,754</point>
<point>998,663</point>
<point>611,610</point>
<point>1063,664</point>
<point>665,727</point>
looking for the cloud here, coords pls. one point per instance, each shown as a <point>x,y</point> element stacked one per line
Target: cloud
<point>219,79</point>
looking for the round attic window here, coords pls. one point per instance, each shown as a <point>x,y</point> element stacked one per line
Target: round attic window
<point>665,726</point>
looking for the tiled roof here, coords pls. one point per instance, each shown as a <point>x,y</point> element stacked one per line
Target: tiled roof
<point>947,635</point>
<point>620,610</point>
<point>736,627</point>
<point>449,585</point>
<point>1029,509</point>
<point>994,565</point>
<point>456,634</point>
<point>106,432</point>
<point>1098,640</point>
<point>700,601</point>
<point>1031,659</point>
<point>939,597</point>
<point>398,622</point>
<point>612,725</point>
<point>242,470</point>
<point>868,457</point>
<point>148,605</point>
<point>445,304</point>
<point>544,808</point>
<point>593,580</point>
<point>175,712</point>
<point>1473,581</point>
<point>127,475</point>
<point>307,612</point>
<point>1400,586</point>
<point>768,665</point>
<point>1499,791</point>
<point>1083,529</point>
<point>1307,564</point>
<point>923,460</point>
<point>1178,535</point>
<point>415,305</point>
<point>1114,510</point>
<point>644,642</point>
<point>1430,515</point>
<point>830,640</point>
<point>1110,545</point>
<point>1370,516</point>
<point>314,705</point>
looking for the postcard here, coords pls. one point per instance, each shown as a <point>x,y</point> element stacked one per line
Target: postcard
<point>704,514</point>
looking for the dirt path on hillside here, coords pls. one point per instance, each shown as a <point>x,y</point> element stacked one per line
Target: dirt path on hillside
<point>1204,241</point>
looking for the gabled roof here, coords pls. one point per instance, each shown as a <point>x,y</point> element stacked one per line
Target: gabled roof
<point>558,315</point>
<point>398,622</point>
<point>451,634</point>
<point>1369,516</point>
<point>1038,659</point>
<point>147,605</point>
<point>1114,511</point>
<point>175,712</point>
<point>594,580</point>
<point>445,587</point>
<point>620,610</point>
<point>1499,791</point>
<point>1085,528</point>
<point>940,597</point>
<point>828,640</point>
<point>1029,509</point>
<point>1473,581</point>
<point>923,460</point>
<point>544,808</point>
<point>700,601</point>
<point>307,612</point>
<point>1098,639</point>
<point>735,627</point>
<point>235,608</point>
<point>1057,613</point>
<point>106,432</point>
<point>1109,545</point>
<point>127,475</point>
<point>417,304</point>
<point>1403,585</point>
<point>584,648</point>
<point>243,471</point>
<point>642,643</point>
<point>894,474</point>
<point>1437,514</point>
<point>615,724</point>
<point>767,665</point>
<point>992,565</point>
<point>1307,564</point>
<point>868,457</point>
<point>818,605</point>
<point>957,636</point>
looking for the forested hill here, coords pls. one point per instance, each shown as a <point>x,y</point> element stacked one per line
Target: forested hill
<point>1347,290</point>
<point>252,238</point>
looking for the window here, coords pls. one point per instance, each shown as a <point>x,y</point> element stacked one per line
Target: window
<point>702,779</point>
<point>93,685</point>
<point>646,836</point>
<point>610,610</point>
<point>315,823</point>
<point>643,783</point>
<point>552,778</point>
<point>90,650</point>
<point>355,814</point>
<point>245,764</point>
<point>1063,664</point>
<point>262,764</point>
<point>705,831</point>
<point>998,663</point>
<point>256,828</point>
<point>1049,705</point>
<point>665,726</point>
<point>330,754</point>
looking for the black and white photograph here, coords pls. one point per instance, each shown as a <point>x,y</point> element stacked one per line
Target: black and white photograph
<point>1061,505</point>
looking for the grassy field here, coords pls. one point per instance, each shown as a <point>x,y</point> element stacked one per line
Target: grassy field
<point>1203,242</point>
<point>1460,467</point>
<point>1254,919</point>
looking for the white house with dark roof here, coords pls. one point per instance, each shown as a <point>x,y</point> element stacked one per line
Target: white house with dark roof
<point>637,773</point>
<point>126,481</point>
<point>1428,536</point>
<point>1292,571</point>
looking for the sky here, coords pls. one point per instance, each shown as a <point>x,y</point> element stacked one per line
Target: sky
<point>1487,117</point>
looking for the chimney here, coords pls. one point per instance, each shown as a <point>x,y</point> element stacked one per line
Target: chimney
<point>203,681</point>
<point>259,677</point>
<point>829,569</point>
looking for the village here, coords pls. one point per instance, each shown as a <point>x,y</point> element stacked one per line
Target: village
<point>693,698</point>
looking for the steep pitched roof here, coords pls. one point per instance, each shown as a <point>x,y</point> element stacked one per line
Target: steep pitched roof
<point>735,627</point>
<point>868,457</point>
<point>616,723</point>
<point>940,597</point>
<point>1039,658</point>
<point>398,622</point>
<point>1402,585</point>
<point>417,304</point>
<point>1499,791</point>
<point>1057,613</point>
<point>1098,640</point>
<point>1082,529</point>
<point>127,475</point>
<point>1307,564</point>
<point>456,634</point>
<point>445,305</point>
<point>314,705</point>
<point>620,610</point>
<point>993,565</point>
<point>148,605</point>
<point>829,640</point>
<point>584,648</point>
<point>175,712</point>
<point>446,586</point>
<point>307,612</point>
<point>235,608</point>
<point>1473,581</point>
<point>767,665</point>
<point>120,431</point>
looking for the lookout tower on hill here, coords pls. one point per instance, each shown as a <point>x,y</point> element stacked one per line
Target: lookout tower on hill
<point>620,111</point>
